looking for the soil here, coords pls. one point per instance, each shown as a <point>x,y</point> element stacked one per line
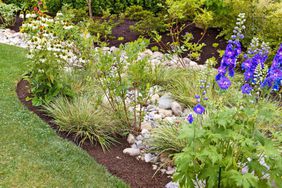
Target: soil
<point>123,30</point>
<point>137,173</point>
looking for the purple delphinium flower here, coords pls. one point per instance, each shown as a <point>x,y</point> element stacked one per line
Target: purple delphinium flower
<point>231,54</point>
<point>274,75</point>
<point>190,118</point>
<point>224,83</point>
<point>197,96</point>
<point>199,109</point>
<point>246,89</point>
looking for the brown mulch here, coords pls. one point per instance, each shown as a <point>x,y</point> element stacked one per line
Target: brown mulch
<point>123,30</point>
<point>137,174</point>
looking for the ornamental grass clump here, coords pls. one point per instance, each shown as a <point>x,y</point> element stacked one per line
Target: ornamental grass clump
<point>86,119</point>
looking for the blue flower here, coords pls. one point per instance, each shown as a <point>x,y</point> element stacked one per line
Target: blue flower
<point>199,109</point>
<point>197,96</point>
<point>246,89</point>
<point>274,75</point>
<point>190,118</point>
<point>224,83</point>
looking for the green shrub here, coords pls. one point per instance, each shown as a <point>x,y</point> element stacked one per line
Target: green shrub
<point>46,79</point>
<point>85,118</point>
<point>7,14</point>
<point>148,24</point>
<point>229,146</point>
<point>262,19</point>
<point>137,13</point>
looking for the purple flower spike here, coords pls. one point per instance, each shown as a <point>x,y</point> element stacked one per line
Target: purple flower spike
<point>199,109</point>
<point>190,118</point>
<point>246,89</point>
<point>224,83</point>
<point>197,96</point>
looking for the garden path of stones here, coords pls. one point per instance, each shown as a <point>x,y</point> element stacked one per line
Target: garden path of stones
<point>162,107</point>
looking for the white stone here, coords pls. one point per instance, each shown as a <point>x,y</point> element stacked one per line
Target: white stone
<point>155,98</point>
<point>157,117</point>
<point>148,157</point>
<point>176,108</point>
<point>155,167</point>
<point>146,125</point>
<point>139,137</point>
<point>172,185</point>
<point>131,151</point>
<point>131,139</point>
<point>165,101</point>
<point>170,170</point>
<point>165,113</point>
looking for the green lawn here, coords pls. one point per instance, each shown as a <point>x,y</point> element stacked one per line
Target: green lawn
<point>31,154</point>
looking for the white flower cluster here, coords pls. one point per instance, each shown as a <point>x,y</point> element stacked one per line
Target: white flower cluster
<point>28,16</point>
<point>42,37</point>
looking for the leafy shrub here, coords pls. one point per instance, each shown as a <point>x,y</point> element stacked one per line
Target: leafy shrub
<point>46,79</point>
<point>261,17</point>
<point>86,119</point>
<point>102,28</point>
<point>74,15</point>
<point>148,24</point>
<point>137,13</point>
<point>228,148</point>
<point>7,14</point>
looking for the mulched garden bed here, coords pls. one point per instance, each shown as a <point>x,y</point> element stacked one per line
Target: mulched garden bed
<point>123,30</point>
<point>134,172</point>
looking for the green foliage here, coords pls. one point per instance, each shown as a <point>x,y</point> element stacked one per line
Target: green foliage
<point>204,19</point>
<point>98,6</point>
<point>7,14</point>
<point>23,4</point>
<point>116,76</point>
<point>102,28</point>
<point>38,153</point>
<point>164,139</point>
<point>228,147</point>
<point>74,15</point>
<point>262,19</point>
<point>46,79</point>
<point>85,118</point>
<point>148,24</point>
<point>137,13</point>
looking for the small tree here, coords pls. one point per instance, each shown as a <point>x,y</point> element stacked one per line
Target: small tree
<point>89,4</point>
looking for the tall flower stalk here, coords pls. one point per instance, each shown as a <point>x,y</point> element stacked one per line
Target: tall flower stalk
<point>232,52</point>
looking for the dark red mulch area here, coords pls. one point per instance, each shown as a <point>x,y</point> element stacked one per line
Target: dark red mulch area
<point>136,173</point>
<point>17,25</point>
<point>123,30</point>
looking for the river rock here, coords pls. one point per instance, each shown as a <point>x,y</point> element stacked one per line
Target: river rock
<point>131,151</point>
<point>176,108</point>
<point>131,139</point>
<point>165,101</point>
<point>165,113</point>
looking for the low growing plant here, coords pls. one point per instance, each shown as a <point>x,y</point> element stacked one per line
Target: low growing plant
<point>84,118</point>
<point>7,14</point>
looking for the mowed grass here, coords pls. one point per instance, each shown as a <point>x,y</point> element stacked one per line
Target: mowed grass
<point>31,154</point>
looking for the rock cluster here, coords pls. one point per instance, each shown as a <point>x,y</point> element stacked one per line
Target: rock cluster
<point>11,37</point>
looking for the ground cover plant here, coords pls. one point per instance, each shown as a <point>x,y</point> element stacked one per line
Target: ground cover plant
<point>32,154</point>
<point>202,126</point>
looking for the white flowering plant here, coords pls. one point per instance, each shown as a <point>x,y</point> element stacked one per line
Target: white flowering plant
<point>53,51</point>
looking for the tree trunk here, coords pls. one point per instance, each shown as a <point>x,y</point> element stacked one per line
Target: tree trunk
<point>89,2</point>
